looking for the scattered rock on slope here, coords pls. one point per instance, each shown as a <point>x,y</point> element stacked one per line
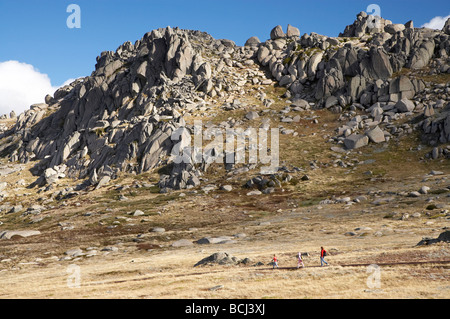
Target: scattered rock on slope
<point>443,237</point>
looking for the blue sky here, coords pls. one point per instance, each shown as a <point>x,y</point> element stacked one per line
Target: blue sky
<point>35,32</point>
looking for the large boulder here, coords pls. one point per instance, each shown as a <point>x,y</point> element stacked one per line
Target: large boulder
<point>409,24</point>
<point>263,55</point>
<point>377,65</point>
<point>394,28</point>
<point>422,55</point>
<point>356,87</point>
<point>277,33</point>
<point>402,87</point>
<point>376,135</point>
<point>292,31</point>
<point>220,258</point>
<point>313,64</point>
<point>446,28</point>
<point>355,141</point>
<point>8,234</point>
<point>443,237</point>
<point>405,105</point>
<point>182,243</point>
<point>330,81</point>
<point>253,41</point>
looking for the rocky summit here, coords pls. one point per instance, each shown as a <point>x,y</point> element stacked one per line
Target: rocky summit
<point>360,124</point>
<point>121,117</point>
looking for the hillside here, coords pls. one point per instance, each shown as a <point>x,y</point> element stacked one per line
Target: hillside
<point>341,142</point>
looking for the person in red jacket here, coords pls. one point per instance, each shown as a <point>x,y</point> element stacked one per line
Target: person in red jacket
<point>323,253</point>
<point>275,261</point>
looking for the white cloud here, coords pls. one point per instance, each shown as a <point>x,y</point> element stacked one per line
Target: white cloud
<point>436,23</point>
<point>22,85</point>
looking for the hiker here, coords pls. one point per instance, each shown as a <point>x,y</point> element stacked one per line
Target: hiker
<point>300,260</point>
<point>323,253</point>
<point>275,261</point>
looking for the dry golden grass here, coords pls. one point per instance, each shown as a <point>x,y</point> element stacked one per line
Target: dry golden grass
<point>170,274</point>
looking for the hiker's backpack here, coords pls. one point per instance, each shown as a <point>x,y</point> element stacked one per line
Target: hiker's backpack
<point>324,253</point>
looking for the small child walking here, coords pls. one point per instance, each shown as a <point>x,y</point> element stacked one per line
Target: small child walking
<point>300,260</point>
<point>323,253</point>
